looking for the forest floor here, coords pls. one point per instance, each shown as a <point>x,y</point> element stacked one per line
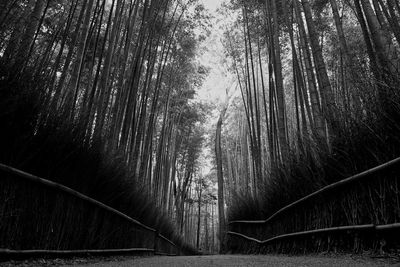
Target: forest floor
<point>218,260</point>
<point>249,260</point>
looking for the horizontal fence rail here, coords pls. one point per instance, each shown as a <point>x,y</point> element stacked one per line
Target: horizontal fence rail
<point>61,188</point>
<point>268,224</point>
<point>320,231</point>
<point>59,253</point>
<point>325,189</point>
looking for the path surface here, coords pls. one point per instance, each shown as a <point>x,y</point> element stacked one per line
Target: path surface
<point>245,260</point>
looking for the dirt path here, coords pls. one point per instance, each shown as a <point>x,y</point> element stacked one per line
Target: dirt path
<point>246,260</point>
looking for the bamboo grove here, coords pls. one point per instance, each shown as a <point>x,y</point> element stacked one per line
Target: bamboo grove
<point>319,89</point>
<point>115,77</point>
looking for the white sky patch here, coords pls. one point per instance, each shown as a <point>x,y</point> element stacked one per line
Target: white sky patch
<point>219,80</point>
<point>212,4</point>
<point>212,56</point>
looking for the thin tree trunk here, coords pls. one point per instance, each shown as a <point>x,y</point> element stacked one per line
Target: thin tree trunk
<point>27,37</point>
<point>315,103</point>
<point>340,32</point>
<point>221,208</point>
<point>368,42</point>
<point>206,246</point>
<point>199,214</point>
<point>392,17</point>
<point>68,59</point>
<point>280,94</point>
<point>328,101</point>
<point>382,47</point>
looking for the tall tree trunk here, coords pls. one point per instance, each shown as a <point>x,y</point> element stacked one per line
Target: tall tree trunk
<point>367,39</point>
<point>220,176</point>
<point>328,100</point>
<point>79,62</point>
<point>340,32</point>
<point>199,213</point>
<point>27,37</point>
<point>318,119</point>
<point>280,93</point>
<point>383,48</point>
<point>212,249</point>
<point>58,89</point>
<point>104,94</point>
<point>206,246</point>
<point>11,49</point>
<point>392,17</point>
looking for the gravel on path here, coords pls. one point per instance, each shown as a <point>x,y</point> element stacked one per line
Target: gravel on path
<point>248,260</point>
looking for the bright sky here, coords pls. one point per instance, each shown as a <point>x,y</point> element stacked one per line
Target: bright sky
<point>218,80</point>
<point>212,4</point>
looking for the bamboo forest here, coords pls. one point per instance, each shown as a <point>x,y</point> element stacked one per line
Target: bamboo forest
<point>199,127</point>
